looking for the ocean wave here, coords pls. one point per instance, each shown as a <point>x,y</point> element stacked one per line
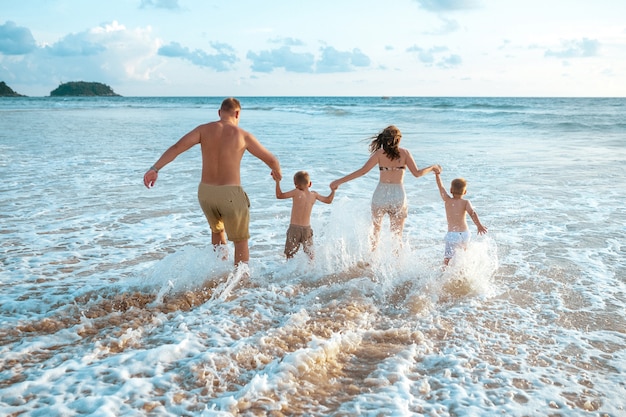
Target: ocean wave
<point>307,110</point>
<point>112,301</point>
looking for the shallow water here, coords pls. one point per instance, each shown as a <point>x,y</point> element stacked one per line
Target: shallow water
<point>112,301</point>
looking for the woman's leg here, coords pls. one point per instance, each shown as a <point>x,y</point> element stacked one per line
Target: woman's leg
<point>377,220</point>
<point>397,224</point>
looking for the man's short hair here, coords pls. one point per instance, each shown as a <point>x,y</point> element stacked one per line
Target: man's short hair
<point>230,104</point>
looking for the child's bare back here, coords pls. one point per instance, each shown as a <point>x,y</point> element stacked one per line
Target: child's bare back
<point>456,210</point>
<point>303,201</point>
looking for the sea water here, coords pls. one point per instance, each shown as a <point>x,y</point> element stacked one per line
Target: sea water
<point>113,302</point>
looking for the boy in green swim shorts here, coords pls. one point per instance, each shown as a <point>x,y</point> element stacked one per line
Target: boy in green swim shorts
<point>300,232</point>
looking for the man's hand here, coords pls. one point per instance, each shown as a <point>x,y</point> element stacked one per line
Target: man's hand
<point>276,175</point>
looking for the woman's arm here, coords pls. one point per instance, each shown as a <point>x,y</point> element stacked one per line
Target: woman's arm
<point>410,163</point>
<point>426,170</point>
<point>371,163</point>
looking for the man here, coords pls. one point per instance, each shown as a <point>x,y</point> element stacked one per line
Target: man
<point>225,204</point>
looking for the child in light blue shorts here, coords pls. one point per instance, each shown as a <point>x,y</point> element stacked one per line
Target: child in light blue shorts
<point>456,210</point>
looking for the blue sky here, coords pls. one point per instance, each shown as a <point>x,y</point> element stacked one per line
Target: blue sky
<point>318,47</point>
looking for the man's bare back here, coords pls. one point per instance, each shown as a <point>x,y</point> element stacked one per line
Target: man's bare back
<point>223,144</point>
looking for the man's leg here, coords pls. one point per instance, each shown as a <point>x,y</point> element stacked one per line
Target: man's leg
<point>242,252</point>
<point>219,244</point>
<point>218,238</point>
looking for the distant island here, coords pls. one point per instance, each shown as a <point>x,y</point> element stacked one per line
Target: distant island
<point>82,88</point>
<point>6,91</point>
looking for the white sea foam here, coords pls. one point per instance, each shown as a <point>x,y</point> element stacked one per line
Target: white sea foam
<point>113,302</point>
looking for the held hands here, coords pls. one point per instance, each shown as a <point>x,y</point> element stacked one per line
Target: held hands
<point>437,169</point>
<point>276,176</point>
<point>334,185</point>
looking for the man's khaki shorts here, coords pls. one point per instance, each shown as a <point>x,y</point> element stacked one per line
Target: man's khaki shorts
<point>226,207</point>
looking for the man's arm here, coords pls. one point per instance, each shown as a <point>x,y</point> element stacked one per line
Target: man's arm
<point>257,149</point>
<point>190,139</point>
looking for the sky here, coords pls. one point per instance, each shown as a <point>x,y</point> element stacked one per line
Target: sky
<point>480,48</point>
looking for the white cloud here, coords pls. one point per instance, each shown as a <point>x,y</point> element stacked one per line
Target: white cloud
<point>108,53</point>
<point>583,48</point>
<point>450,61</point>
<point>160,47</point>
<point>436,56</point>
<point>448,26</point>
<point>160,4</point>
<point>333,60</point>
<point>222,60</point>
<point>330,60</point>
<point>16,40</point>
<point>447,5</point>
<point>287,41</point>
<point>75,45</point>
<point>283,57</point>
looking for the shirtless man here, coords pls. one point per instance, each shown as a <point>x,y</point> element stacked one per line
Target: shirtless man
<point>223,200</point>
<point>457,209</point>
<point>300,231</point>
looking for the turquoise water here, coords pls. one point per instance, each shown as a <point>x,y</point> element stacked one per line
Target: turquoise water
<point>112,301</point>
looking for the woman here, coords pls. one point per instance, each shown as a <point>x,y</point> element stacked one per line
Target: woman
<point>389,196</point>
